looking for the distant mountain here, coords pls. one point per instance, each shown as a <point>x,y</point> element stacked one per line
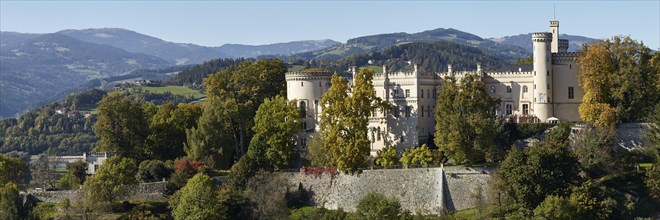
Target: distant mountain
<point>36,69</point>
<point>524,41</point>
<point>250,51</point>
<point>131,41</point>
<point>11,39</point>
<point>180,53</point>
<point>382,41</point>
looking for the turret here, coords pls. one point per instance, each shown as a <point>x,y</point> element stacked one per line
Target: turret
<point>386,83</point>
<point>449,70</point>
<point>542,75</point>
<point>554,28</point>
<point>563,45</point>
<point>480,72</point>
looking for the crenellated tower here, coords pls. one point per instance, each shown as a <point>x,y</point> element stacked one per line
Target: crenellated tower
<point>542,74</point>
<point>554,28</point>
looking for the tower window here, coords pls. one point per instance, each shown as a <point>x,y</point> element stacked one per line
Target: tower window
<point>570,66</point>
<point>428,111</point>
<point>304,125</point>
<point>303,109</point>
<point>525,109</point>
<point>422,111</point>
<point>548,86</point>
<point>428,93</point>
<point>435,93</point>
<point>407,92</point>
<point>534,86</point>
<point>508,109</point>
<point>319,83</point>
<point>548,73</point>
<point>302,83</point>
<point>421,93</point>
<point>570,93</point>
<point>508,89</point>
<point>378,135</point>
<point>524,89</point>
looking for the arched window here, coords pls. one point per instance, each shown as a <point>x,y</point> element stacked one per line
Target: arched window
<point>508,89</point>
<point>524,88</point>
<point>303,109</point>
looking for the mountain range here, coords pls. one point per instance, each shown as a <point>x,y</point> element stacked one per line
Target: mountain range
<point>36,67</point>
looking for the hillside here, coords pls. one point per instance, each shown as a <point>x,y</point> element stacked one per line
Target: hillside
<point>252,51</point>
<point>382,41</point>
<point>37,69</point>
<point>523,41</point>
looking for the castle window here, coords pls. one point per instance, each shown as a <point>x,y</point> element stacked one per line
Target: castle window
<point>508,109</point>
<point>534,86</point>
<point>492,89</point>
<point>402,139</point>
<point>508,89</point>
<point>407,92</point>
<point>428,111</point>
<point>304,125</point>
<point>570,66</point>
<point>428,93</point>
<point>421,93</point>
<point>524,88</point>
<point>435,93</point>
<point>548,73</point>
<point>408,111</point>
<point>303,142</point>
<point>396,111</point>
<point>302,83</point>
<point>548,86</point>
<point>378,135</point>
<point>422,111</point>
<point>303,109</point>
<point>320,84</point>
<point>525,109</point>
<point>570,93</point>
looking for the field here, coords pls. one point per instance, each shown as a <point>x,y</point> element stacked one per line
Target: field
<point>175,90</point>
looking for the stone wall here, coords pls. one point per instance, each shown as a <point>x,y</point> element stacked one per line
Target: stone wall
<point>144,191</point>
<point>419,190</point>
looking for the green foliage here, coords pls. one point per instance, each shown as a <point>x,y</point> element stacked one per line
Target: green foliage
<point>153,170</point>
<point>75,176</point>
<point>122,126</point>
<point>267,196</point>
<point>344,120</point>
<point>105,186</point>
<point>84,100</point>
<point>378,206</point>
<point>241,172</point>
<point>44,210</point>
<point>11,206</point>
<point>387,157</point>
<point>420,156</point>
<point>529,175</point>
<point>653,180</point>
<point>317,152</point>
<point>197,200</point>
<point>233,97</point>
<point>195,75</point>
<point>619,82</point>
<point>465,123</point>
<point>13,170</point>
<point>555,207</point>
<point>525,61</point>
<point>276,122</point>
<point>168,130</point>
<point>314,213</point>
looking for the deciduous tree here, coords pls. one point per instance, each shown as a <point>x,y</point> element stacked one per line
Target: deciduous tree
<point>277,121</point>
<point>197,200</point>
<point>122,126</point>
<point>105,186</point>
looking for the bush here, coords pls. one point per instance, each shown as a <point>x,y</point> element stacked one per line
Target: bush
<point>153,170</point>
<point>44,210</point>
<point>420,156</point>
<point>387,157</point>
<point>314,213</point>
<point>378,206</point>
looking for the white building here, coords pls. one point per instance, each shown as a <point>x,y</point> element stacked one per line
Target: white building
<point>93,160</point>
<point>546,91</point>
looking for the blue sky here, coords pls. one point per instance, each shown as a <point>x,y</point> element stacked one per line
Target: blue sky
<point>213,23</point>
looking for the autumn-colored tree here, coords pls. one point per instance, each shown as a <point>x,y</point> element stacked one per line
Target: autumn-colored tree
<point>122,126</point>
<point>277,121</point>
<point>465,120</point>
<point>619,80</point>
<point>345,118</point>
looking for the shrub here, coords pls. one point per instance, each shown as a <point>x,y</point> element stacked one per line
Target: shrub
<point>153,170</point>
<point>378,206</point>
<point>420,156</point>
<point>387,157</point>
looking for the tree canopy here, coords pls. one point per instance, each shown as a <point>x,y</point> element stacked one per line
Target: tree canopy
<point>277,121</point>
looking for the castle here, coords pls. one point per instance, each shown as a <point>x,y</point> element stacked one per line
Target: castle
<point>546,91</point>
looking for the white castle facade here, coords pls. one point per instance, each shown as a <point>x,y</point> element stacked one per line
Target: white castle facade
<point>548,92</point>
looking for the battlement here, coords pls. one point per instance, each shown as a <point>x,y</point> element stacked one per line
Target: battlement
<point>554,23</point>
<point>309,74</point>
<point>394,74</point>
<point>511,73</point>
<point>565,54</point>
<point>545,35</point>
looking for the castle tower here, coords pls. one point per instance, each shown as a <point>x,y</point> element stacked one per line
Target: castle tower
<point>554,28</point>
<point>563,45</point>
<point>307,87</point>
<point>542,75</point>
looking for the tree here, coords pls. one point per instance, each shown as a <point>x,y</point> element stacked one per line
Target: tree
<point>122,126</point>
<point>345,118</point>
<point>465,120</point>
<point>10,202</point>
<point>378,206</point>
<point>387,157</point>
<point>233,96</point>
<point>555,207</point>
<point>43,173</point>
<point>153,170</point>
<point>419,156</point>
<point>277,121</point>
<point>105,186</point>
<point>619,81</point>
<point>529,175</point>
<point>13,170</point>
<point>168,130</point>
<point>75,175</point>
<point>317,153</point>
<point>197,200</point>
<point>267,195</point>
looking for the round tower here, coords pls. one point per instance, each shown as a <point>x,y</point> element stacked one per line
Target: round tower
<point>307,87</point>
<point>542,75</point>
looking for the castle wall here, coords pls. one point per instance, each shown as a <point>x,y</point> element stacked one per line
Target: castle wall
<point>420,190</point>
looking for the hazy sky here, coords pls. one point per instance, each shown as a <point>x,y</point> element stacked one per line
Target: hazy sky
<point>213,23</point>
